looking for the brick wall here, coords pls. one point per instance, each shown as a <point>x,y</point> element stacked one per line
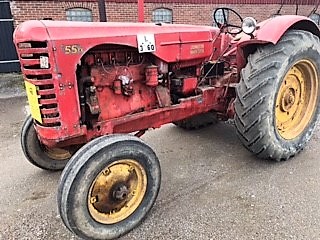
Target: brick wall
<point>200,14</point>
<point>27,10</point>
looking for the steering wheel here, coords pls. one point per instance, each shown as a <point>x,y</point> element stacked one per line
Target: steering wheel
<point>225,13</point>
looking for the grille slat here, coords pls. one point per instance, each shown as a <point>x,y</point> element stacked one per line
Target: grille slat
<point>36,71</point>
<point>46,92</point>
<point>30,62</point>
<point>50,120</point>
<point>41,78</point>
<point>45,111</point>
<point>40,82</point>
<point>48,101</point>
<point>33,51</point>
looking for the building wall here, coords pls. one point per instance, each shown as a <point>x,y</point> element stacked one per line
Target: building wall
<point>29,10</point>
<point>188,13</point>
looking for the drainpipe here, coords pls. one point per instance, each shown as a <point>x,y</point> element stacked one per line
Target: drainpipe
<point>140,10</point>
<point>102,10</point>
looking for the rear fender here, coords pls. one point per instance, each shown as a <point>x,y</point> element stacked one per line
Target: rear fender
<point>271,31</point>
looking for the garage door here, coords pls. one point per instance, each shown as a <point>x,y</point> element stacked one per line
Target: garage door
<point>8,56</point>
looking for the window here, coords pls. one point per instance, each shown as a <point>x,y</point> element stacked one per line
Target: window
<point>219,16</point>
<point>79,14</point>
<point>315,17</point>
<point>162,15</point>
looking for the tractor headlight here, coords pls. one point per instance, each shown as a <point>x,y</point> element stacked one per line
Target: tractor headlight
<point>249,25</point>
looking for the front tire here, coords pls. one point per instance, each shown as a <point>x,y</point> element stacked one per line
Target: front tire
<point>108,187</point>
<point>277,103</point>
<point>52,159</point>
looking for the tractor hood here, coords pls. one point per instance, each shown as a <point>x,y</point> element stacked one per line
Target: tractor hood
<point>168,37</point>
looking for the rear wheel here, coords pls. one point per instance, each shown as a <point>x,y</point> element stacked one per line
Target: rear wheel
<point>108,187</point>
<point>52,159</point>
<point>277,99</point>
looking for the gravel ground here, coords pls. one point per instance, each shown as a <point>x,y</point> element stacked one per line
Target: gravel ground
<point>212,188</point>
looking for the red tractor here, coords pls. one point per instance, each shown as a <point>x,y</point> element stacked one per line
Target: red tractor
<point>90,84</point>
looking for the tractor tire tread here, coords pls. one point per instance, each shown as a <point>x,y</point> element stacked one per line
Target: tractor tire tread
<point>253,116</point>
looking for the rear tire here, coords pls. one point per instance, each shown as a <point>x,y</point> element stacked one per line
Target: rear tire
<point>108,187</point>
<point>53,159</point>
<point>277,98</point>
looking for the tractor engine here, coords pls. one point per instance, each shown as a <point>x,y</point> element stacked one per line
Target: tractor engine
<point>114,81</point>
<point>113,77</point>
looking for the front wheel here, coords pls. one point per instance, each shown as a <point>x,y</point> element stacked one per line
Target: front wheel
<point>277,103</point>
<point>108,187</point>
<point>52,159</point>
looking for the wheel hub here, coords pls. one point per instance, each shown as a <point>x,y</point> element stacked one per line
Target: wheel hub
<point>117,191</point>
<point>288,100</point>
<point>120,193</point>
<point>296,100</point>
<point>57,153</point>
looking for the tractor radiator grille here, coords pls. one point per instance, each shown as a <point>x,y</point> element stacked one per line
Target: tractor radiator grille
<point>37,69</point>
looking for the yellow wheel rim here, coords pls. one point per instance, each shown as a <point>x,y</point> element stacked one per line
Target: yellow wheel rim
<point>117,191</point>
<point>297,99</point>
<point>57,153</point>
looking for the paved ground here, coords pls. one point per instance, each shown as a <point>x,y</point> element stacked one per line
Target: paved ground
<point>212,188</point>
<point>11,85</point>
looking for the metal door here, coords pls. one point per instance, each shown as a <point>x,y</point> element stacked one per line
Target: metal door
<point>8,56</point>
